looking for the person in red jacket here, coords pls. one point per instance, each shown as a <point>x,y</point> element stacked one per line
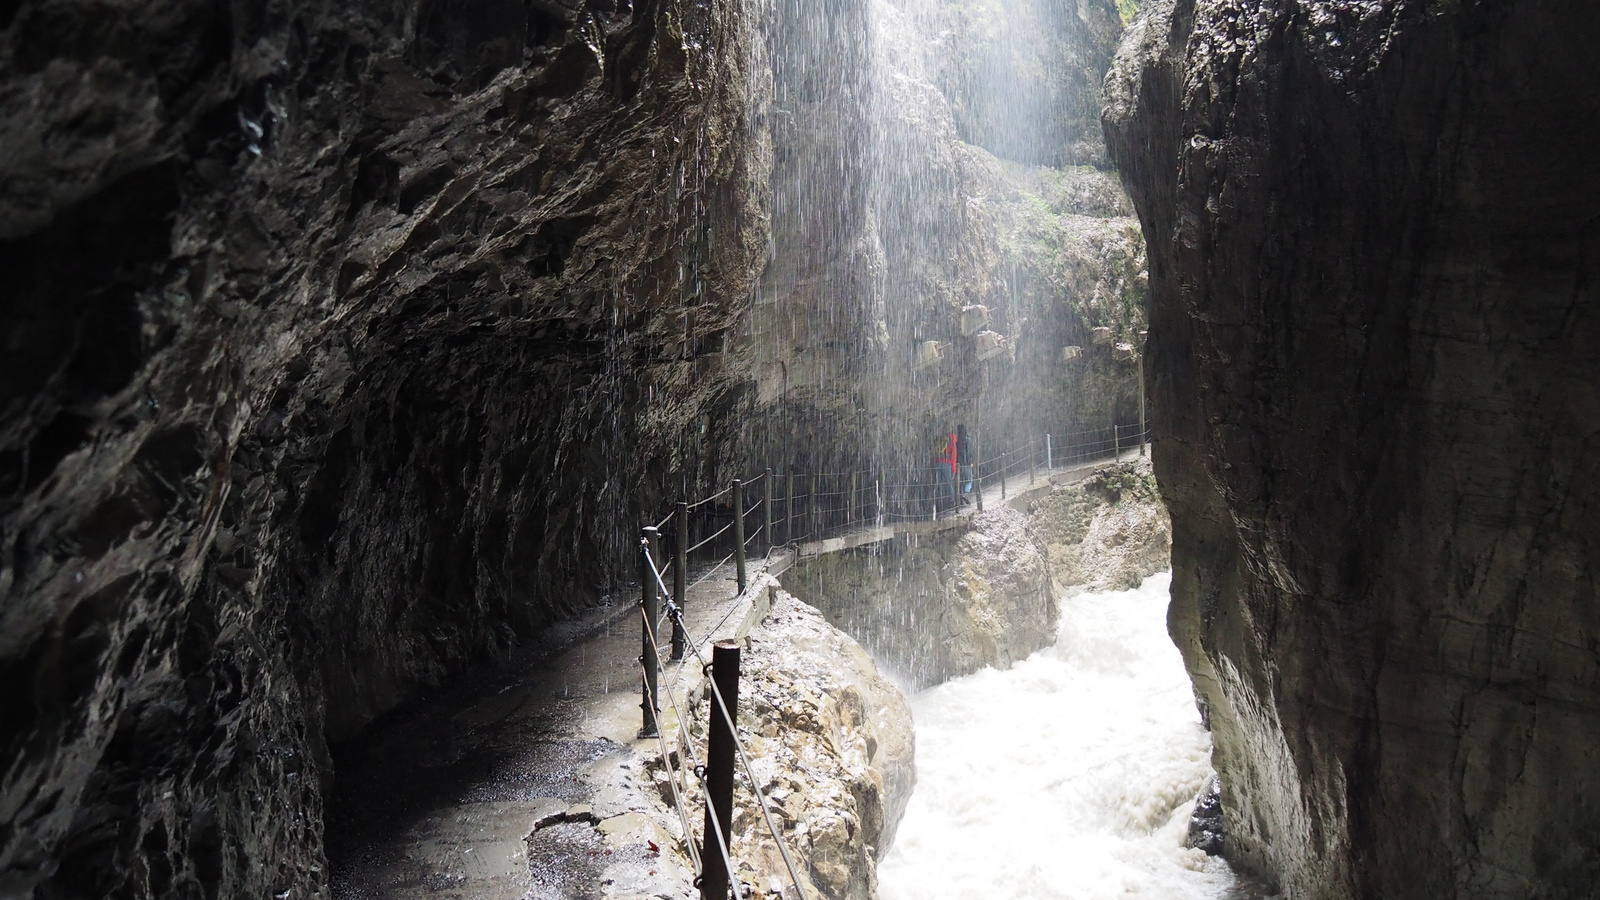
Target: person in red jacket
<point>945,459</point>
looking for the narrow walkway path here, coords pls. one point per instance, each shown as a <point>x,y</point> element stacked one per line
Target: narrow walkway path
<point>439,800</point>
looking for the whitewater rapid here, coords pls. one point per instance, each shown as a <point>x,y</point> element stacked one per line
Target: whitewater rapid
<point>1072,774</point>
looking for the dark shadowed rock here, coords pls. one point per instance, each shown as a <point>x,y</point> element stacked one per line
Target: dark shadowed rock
<point>1373,362</point>
<point>1208,827</point>
<point>326,334</point>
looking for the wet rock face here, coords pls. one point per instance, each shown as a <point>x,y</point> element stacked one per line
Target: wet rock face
<point>938,606</point>
<point>1023,76</point>
<point>912,185</point>
<point>326,333</point>
<point>1373,371</point>
<point>934,607</point>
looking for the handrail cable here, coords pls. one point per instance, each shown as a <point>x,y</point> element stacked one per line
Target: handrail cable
<point>711,571</point>
<point>666,756</point>
<point>716,825</point>
<point>709,538</point>
<point>676,613</point>
<point>704,500</point>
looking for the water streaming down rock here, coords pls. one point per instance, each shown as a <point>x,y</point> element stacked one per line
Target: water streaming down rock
<point>931,157</point>
<point>1070,775</point>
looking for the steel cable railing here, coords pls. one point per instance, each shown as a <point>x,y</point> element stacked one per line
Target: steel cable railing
<point>750,774</point>
<point>711,537</point>
<point>706,576</point>
<point>717,496</point>
<point>666,755</point>
<point>676,613</point>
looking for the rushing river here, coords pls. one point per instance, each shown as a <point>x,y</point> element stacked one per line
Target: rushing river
<point>1069,775</point>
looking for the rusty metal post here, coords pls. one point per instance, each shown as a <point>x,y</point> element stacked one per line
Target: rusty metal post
<point>738,533</point>
<point>650,602</point>
<point>766,508</point>
<point>680,574</point>
<point>719,769</point>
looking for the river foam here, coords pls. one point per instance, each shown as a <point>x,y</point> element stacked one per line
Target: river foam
<point>1072,774</point>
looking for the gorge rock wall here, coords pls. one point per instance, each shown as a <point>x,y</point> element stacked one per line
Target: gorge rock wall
<point>1373,366</point>
<point>1105,532</point>
<point>934,607</point>
<point>328,333</point>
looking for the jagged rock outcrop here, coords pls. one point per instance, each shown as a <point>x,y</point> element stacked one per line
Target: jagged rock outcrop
<point>931,607</point>
<point>832,744</point>
<point>1373,373</point>
<point>936,606</point>
<point>1106,532</point>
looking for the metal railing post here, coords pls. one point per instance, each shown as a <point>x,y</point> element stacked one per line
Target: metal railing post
<point>788,513</point>
<point>850,514</point>
<point>766,508</point>
<point>649,601</point>
<point>738,533</point>
<point>680,574</point>
<point>1002,476</point>
<point>977,469</point>
<point>719,769</point>
<point>814,523</point>
<point>1049,455</point>
<point>1116,441</point>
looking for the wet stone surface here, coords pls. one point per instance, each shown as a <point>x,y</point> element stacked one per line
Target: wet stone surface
<point>566,861</point>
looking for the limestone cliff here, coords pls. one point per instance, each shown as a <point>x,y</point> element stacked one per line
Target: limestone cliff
<point>907,192</point>
<point>1105,532</point>
<point>934,607</point>
<point>1374,376</point>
